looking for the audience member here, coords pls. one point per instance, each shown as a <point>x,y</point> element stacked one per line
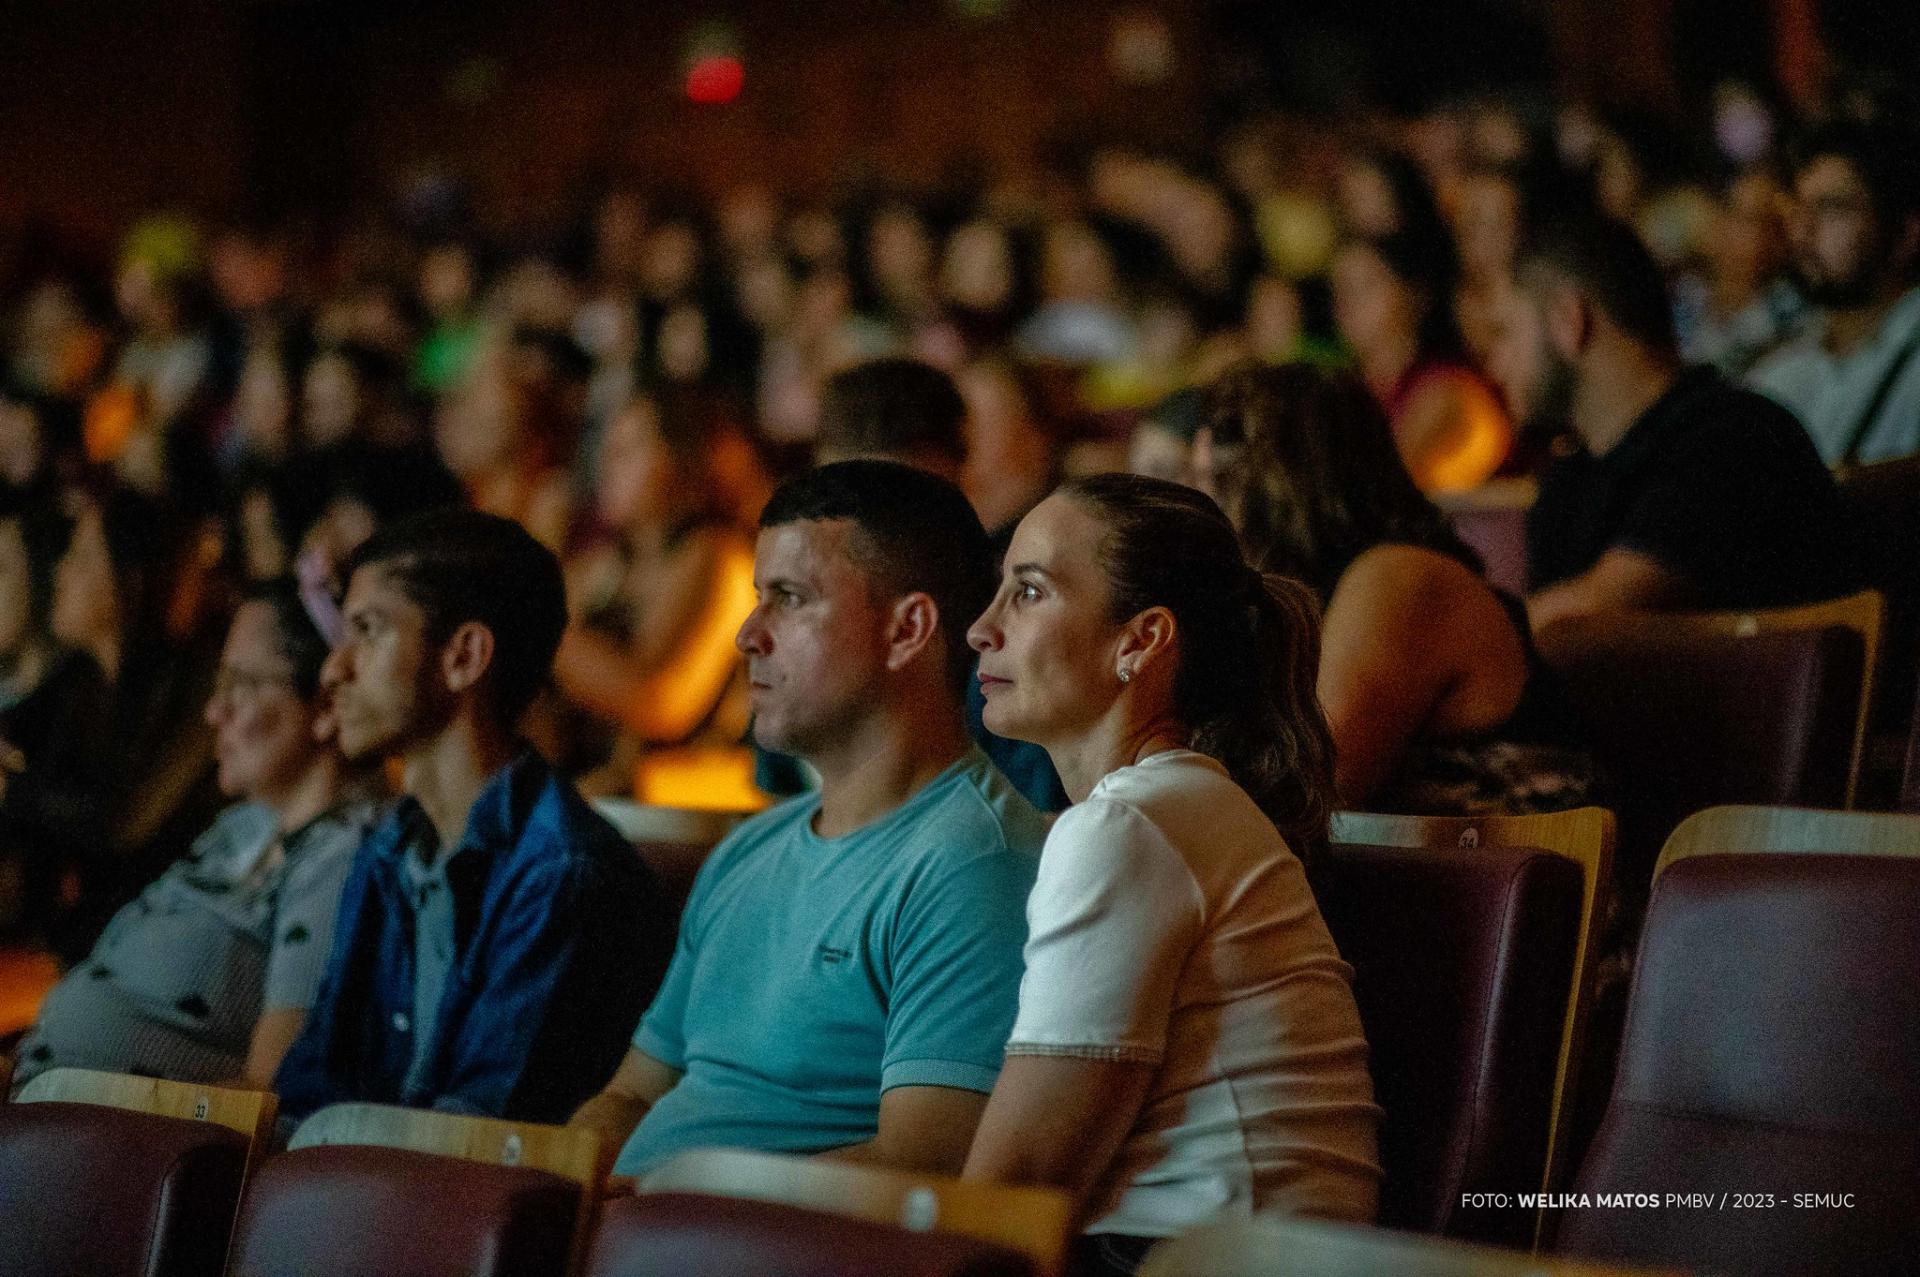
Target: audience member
<point>908,412</point>
<point>1393,297</point>
<point>1381,192</point>
<point>1852,377</point>
<point>160,384</point>
<point>650,650</point>
<point>496,938</point>
<point>1012,459</point>
<point>130,593</point>
<point>500,436</point>
<point>1743,305</point>
<point>1081,318</point>
<point>207,977</point>
<point>1187,1042</point>
<point>354,395</point>
<point>1436,701</point>
<point>877,923</point>
<point>53,711</point>
<point>1685,492</point>
<point>896,410</point>
<point>35,451</point>
<point>1161,446</point>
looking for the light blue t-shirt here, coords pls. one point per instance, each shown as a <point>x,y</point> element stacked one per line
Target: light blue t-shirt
<point>812,974</point>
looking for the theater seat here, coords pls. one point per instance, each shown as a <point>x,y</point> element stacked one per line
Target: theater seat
<point>1686,713</point>
<point>1721,831</point>
<point>388,1212</point>
<point>1769,1063</point>
<point>1463,969</point>
<point>690,1235</point>
<point>105,1192</point>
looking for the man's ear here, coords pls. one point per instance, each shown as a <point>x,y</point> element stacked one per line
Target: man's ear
<point>913,623</point>
<point>466,656</point>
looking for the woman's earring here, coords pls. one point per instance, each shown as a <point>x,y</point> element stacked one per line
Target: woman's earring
<point>1126,676</point>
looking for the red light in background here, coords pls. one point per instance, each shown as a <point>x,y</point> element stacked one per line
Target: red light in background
<point>715,80</point>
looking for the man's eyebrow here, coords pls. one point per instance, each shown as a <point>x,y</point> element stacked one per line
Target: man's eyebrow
<point>1029,568</point>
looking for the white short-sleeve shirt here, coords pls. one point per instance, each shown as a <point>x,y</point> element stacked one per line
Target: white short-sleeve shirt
<point>1170,925</point>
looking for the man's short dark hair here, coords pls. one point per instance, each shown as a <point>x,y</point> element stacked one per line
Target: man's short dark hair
<point>461,565</point>
<point>893,408</point>
<point>1605,260</point>
<point>1883,155</point>
<point>914,531</point>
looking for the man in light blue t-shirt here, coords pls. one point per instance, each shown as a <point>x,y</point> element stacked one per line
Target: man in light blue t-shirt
<point>849,963</point>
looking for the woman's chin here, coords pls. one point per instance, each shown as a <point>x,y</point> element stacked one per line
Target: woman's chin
<point>1006,726</point>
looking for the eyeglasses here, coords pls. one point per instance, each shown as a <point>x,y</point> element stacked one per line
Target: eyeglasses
<point>231,680</point>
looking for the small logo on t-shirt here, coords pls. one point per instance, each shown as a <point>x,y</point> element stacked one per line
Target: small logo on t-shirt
<point>832,956</point>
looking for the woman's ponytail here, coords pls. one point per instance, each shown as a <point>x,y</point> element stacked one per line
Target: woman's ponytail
<point>1249,645</point>
<point>1269,731</point>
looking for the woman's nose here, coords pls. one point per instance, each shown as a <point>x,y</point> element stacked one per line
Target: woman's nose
<point>983,635</point>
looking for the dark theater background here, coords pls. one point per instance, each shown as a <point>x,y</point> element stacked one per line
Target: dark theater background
<point>959,638</point>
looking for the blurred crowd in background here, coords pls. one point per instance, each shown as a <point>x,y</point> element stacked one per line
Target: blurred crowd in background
<point>223,404</point>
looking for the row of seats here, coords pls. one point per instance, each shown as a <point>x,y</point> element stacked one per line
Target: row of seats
<point>1768,1048</point>
<point>1884,500</point>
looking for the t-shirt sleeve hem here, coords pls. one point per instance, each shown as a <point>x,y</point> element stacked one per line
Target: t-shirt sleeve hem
<point>1089,1051</point>
<point>950,1073</point>
<point>647,1042</point>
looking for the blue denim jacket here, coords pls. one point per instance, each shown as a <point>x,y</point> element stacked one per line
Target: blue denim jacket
<point>562,936</point>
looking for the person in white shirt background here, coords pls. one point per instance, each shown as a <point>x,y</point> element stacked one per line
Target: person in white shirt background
<point>1187,1043</point>
<point>1852,376</point>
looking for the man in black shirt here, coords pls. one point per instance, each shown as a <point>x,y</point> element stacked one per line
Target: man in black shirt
<point>1683,491</point>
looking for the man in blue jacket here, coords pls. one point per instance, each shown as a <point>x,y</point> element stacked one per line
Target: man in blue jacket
<point>497,939</point>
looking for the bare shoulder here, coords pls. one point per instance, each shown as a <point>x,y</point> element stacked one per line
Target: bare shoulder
<point>1395,576</point>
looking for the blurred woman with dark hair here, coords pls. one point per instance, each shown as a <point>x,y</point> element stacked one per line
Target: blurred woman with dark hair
<point>129,592</point>
<point>1436,700</point>
<point>53,702</point>
<point>1187,1041</point>
<point>651,648</point>
<point>1393,298</point>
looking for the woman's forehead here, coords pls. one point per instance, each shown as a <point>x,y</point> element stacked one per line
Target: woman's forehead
<point>1059,535</point>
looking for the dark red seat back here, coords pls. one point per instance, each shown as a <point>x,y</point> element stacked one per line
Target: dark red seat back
<point>1681,721</point>
<point>1463,964</point>
<point>1771,1045</point>
<point>1499,537</point>
<point>690,1235</point>
<point>106,1192</point>
<point>382,1212</point>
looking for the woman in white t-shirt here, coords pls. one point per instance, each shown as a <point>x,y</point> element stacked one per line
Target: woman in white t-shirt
<point>1187,1043</point>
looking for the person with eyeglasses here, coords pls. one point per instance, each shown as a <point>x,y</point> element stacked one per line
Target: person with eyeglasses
<point>1851,375</point>
<point>208,975</point>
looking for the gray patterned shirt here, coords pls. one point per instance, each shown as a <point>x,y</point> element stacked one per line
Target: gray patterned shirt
<point>181,975</point>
